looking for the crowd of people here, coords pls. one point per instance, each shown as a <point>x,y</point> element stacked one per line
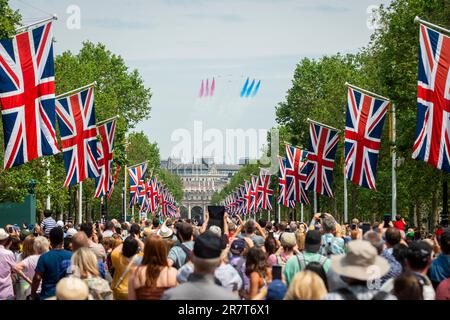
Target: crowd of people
<point>251,260</point>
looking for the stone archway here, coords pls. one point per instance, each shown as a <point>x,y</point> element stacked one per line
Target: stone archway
<point>196,212</point>
<point>184,212</point>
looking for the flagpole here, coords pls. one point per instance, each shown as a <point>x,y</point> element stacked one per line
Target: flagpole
<point>68,93</point>
<point>367,92</point>
<point>323,125</point>
<point>125,193</point>
<point>301,212</point>
<point>279,213</point>
<point>19,29</point>
<point>80,203</point>
<point>107,120</point>
<point>394,175</point>
<point>345,198</point>
<point>315,201</point>
<point>418,20</point>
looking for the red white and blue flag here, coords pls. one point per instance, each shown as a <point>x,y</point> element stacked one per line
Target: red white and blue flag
<point>322,151</point>
<point>105,149</point>
<point>76,120</point>
<point>432,143</point>
<point>248,199</point>
<point>152,195</point>
<point>284,185</point>
<point>296,161</point>
<point>363,128</point>
<point>254,194</point>
<point>136,175</point>
<point>264,192</point>
<point>27,96</point>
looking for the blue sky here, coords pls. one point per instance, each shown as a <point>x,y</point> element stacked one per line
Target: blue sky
<point>176,43</point>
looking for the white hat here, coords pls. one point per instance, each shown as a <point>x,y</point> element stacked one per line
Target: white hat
<point>164,232</point>
<point>71,232</point>
<point>3,234</point>
<point>60,223</point>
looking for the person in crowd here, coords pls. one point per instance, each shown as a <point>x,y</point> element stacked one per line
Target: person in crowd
<point>316,267</point>
<point>97,248</point>
<point>306,285</point>
<point>257,269</point>
<point>399,223</point>
<point>250,228</point>
<point>26,268</point>
<point>71,288</point>
<point>109,229</point>
<point>7,263</point>
<point>124,260</point>
<point>181,253</point>
<point>271,245</point>
<point>237,256</point>
<point>440,267</point>
<point>330,244</point>
<point>303,258</point>
<point>443,290</point>
<point>392,238</point>
<point>85,266</point>
<point>201,284</point>
<point>149,280</point>
<point>287,250</point>
<point>418,261</point>
<point>48,223</point>
<point>407,287</point>
<point>50,267</point>
<point>356,267</point>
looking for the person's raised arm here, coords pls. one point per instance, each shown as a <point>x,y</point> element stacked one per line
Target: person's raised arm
<point>131,289</point>
<point>205,223</point>
<point>225,224</point>
<point>261,230</point>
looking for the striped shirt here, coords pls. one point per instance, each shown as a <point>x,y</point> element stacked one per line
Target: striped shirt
<point>48,224</point>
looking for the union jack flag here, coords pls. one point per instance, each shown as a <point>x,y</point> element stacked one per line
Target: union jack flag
<point>114,181</point>
<point>432,143</point>
<point>248,199</point>
<point>152,195</point>
<point>322,150</point>
<point>76,119</point>
<point>105,150</point>
<point>254,194</point>
<point>363,127</point>
<point>136,175</point>
<point>284,185</point>
<point>264,192</point>
<point>27,96</point>
<point>296,170</point>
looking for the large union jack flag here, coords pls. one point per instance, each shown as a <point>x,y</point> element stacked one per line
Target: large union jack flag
<point>432,143</point>
<point>296,161</point>
<point>322,150</point>
<point>285,184</point>
<point>264,192</point>
<point>105,150</point>
<point>136,175</point>
<point>363,127</point>
<point>27,96</point>
<point>76,119</point>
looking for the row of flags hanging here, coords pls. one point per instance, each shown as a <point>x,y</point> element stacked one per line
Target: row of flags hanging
<point>30,109</point>
<point>312,169</point>
<point>150,194</point>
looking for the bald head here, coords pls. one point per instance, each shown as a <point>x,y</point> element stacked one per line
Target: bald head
<point>79,240</point>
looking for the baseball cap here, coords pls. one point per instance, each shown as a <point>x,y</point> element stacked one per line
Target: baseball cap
<point>276,290</point>
<point>312,241</point>
<point>420,249</point>
<point>237,246</point>
<point>207,246</point>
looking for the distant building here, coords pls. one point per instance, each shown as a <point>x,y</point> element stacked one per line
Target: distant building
<point>201,180</point>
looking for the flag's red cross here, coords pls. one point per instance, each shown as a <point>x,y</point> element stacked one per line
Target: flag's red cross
<point>265,191</point>
<point>297,174</point>
<point>437,97</point>
<point>29,98</point>
<point>359,136</point>
<point>106,156</point>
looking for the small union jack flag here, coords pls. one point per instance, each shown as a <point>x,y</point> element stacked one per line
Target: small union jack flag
<point>296,161</point>
<point>136,175</point>
<point>284,185</point>
<point>76,119</point>
<point>432,143</point>
<point>322,150</point>
<point>105,150</point>
<point>27,96</point>
<point>264,192</point>
<point>363,128</point>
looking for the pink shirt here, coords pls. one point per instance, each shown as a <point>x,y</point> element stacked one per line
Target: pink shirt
<point>7,262</point>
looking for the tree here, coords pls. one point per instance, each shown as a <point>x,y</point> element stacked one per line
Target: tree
<point>9,19</point>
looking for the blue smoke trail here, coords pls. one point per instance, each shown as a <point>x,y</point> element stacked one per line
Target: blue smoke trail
<point>244,89</point>
<point>247,94</point>
<point>256,88</point>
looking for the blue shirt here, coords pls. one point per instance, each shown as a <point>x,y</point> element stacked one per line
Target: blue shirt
<point>440,268</point>
<point>395,267</point>
<point>52,265</point>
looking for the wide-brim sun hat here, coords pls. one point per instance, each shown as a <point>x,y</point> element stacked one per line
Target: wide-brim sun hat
<point>362,262</point>
<point>165,232</point>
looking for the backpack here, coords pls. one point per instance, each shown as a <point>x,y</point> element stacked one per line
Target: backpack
<point>330,247</point>
<point>347,294</point>
<point>238,267</point>
<point>188,255</point>
<point>302,262</point>
<point>280,261</point>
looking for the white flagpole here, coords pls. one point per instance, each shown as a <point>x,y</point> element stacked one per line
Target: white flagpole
<point>68,93</point>
<point>301,212</point>
<point>80,203</point>
<point>125,193</point>
<point>432,25</point>
<point>279,212</point>
<point>394,177</point>
<point>24,28</point>
<point>345,198</point>
<point>315,202</point>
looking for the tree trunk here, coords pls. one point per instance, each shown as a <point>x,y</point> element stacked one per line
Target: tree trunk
<point>433,213</point>
<point>416,208</point>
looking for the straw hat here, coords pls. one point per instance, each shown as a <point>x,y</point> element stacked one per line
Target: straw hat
<point>361,262</point>
<point>165,232</point>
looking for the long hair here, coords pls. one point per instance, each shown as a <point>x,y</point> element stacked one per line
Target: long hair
<point>84,261</point>
<point>155,259</point>
<point>256,262</point>
<point>306,285</point>
<point>27,247</point>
